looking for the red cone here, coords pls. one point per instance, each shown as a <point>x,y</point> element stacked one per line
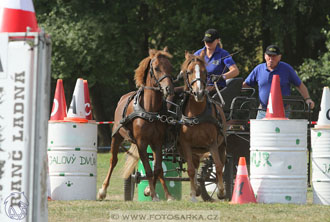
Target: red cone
<point>243,192</point>
<point>88,108</point>
<point>17,15</point>
<point>59,104</point>
<point>275,108</point>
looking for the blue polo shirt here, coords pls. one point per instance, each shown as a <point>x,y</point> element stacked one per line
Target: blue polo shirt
<point>218,64</point>
<point>263,77</point>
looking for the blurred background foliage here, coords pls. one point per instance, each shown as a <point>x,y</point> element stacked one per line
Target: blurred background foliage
<point>103,41</point>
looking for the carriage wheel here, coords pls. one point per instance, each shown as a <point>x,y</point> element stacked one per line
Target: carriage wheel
<point>129,187</point>
<point>207,179</point>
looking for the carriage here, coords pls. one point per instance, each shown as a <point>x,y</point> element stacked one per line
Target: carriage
<point>239,106</point>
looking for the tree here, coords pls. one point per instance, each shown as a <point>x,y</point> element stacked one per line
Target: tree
<point>103,41</point>
<point>316,72</point>
<point>295,26</point>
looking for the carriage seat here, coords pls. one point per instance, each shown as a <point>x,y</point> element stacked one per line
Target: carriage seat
<point>232,90</point>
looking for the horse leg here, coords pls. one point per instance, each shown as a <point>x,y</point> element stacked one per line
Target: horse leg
<point>168,196</point>
<point>191,170</point>
<point>196,162</point>
<point>116,141</point>
<point>158,167</point>
<point>219,164</point>
<point>145,161</point>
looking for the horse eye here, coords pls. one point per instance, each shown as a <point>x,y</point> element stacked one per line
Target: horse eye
<point>157,69</point>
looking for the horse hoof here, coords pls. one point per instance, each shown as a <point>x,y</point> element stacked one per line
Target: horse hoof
<point>147,191</point>
<point>101,194</point>
<point>221,194</point>
<point>194,199</point>
<point>156,198</point>
<point>170,198</point>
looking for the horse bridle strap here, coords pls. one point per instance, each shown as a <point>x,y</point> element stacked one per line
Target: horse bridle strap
<point>152,74</point>
<point>189,84</point>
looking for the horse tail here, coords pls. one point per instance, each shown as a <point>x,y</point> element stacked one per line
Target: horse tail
<point>132,159</point>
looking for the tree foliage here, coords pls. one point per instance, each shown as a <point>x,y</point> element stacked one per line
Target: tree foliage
<point>316,72</point>
<point>103,41</point>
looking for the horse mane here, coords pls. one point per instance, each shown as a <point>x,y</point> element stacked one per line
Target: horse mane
<point>142,71</point>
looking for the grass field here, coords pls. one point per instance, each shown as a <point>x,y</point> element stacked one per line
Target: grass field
<point>100,210</point>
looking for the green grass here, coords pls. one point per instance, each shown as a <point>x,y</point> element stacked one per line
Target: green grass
<point>100,210</point>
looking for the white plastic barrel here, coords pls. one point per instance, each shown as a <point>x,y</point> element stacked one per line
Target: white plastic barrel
<point>72,160</point>
<point>278,160</point>
<point>321,165</point>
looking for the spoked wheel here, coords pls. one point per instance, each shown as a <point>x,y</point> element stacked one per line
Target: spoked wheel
<point>207,179</point>
<point>129,187</point>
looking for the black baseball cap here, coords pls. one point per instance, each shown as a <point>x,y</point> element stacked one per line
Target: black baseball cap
<point>273,50</point>
<point>210,35</point>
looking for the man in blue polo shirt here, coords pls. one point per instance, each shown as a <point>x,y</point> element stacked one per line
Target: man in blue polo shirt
<point>218,61</point>
<point>263,73</point>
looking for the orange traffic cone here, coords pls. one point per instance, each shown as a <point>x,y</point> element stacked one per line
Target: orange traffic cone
<point>59,104</point>
<point>275,108</point>
<point>243,192</point>
<point>324,114</point>
<point>76,111</point>
<point>17,15</point>
<point>88,108</point>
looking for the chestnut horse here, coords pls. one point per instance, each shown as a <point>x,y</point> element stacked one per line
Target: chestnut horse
<point>137,116</point>
<point>203,125</point>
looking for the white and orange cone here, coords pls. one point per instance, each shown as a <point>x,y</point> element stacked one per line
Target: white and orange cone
<point>324,114</point>
<point>275,108</point>
<point>17,15</point>
<point>88,108</point>
<point>59,103</point>
<point>243,192</point>
<point>76,111</point>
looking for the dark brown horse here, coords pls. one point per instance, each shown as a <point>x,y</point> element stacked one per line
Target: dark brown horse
<point>137,116</point>
<point>203,128</point>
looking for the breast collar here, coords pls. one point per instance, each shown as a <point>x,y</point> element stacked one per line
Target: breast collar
<point>204,117</point>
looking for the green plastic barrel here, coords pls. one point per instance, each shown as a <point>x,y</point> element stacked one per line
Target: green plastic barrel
<point>174,187</point>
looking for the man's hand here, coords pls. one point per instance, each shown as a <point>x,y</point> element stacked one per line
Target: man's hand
<point>310,103</point>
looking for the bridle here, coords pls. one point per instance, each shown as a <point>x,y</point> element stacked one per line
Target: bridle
<point>189,84</point>
<point>157,81</point>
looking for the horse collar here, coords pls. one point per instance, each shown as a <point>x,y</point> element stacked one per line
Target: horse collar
<point>205,116</point>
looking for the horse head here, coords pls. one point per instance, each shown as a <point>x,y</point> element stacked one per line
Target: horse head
<point>155,72</point>
<point>194,74</point>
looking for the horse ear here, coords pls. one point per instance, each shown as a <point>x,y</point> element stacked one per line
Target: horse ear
<point>166,49</point>
<point>186,54</point>
<point>202,58</point>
